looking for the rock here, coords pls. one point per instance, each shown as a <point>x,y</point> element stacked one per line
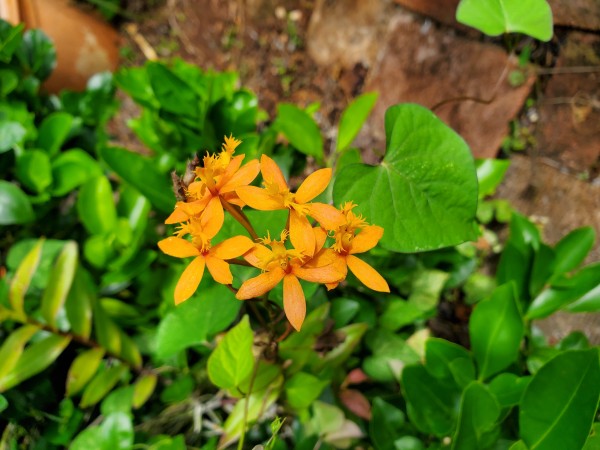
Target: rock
<point>428,65</point>
<point>569,127</point>
<point>443,11</point>
<point>584,14</point>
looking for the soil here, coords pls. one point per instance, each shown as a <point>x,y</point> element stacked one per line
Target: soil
<point>305,51</point>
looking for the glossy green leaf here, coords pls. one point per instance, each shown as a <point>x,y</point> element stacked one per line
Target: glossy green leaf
<point>173,93</point>
<point>351,335</point>
<point>477,419</point>
<point>79,303</point>
<point>424,193</point>
<point>34,171</point>
<point>302,389</point>
<point>300,129</point>
<point>592,443</point>
<point>496,330</point>
<point>353,118</point>
<point>490,173</point>
<point>439,354</point>
<point>59,283</point>
<point>399,313</point>
<point>35,358</point>
<point>144,387</point>
<point>386,424</point>
<point>573,248</point>
<point>115,433</point>
<point>130,351</point>
<point>119,400</point>
<point>232,361</point>
<point>494,17</point>
<point>102,383</point>
<point>23,277</point>
<point>391,354</point>
<point>542,268</point>
<point>71,169</point>
<point>582,289</point>
<point>107,332</point>
<point>15,207</point>
<point>343,310</point>
<point>559,405</point>
<point>12,348</point>
<point>427,287</point>
<point>266,374</point>
<point>431,404</point>
<point>508,388</point>
<point>83,369</point>
<point>37,54</point>
<point>10,39</point>
<point>141,173</point>
<point>96,206</point>
<point>196,320</point>
<point>11,134</point>
<point>53,131</point>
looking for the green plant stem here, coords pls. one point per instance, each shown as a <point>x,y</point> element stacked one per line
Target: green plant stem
<point>247,404</point>
<point>239,215</point>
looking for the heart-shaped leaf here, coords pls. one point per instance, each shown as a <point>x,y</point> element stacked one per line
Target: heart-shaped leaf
<point>424,193</point>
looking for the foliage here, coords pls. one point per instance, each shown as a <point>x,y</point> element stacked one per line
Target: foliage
<point>94,353</point>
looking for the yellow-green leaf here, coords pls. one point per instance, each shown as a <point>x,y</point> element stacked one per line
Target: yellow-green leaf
<point>80,302</point>
<point>83,369</point>
<point>101,385</point>
<point>13,346</point>
<point>129,351</point>
<point>144,387</point>
<point>23,276</point>
<point>59,283</point>
<point>107,332</point>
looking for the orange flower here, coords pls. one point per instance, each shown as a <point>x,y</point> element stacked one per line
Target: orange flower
<point>219,178</point>
<point>279,263</point>
<point>348,243</point>
<point>276,195</point>
<point>202,230</point>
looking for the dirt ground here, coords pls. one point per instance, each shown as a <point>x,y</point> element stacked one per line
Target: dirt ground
<point>327,51</point>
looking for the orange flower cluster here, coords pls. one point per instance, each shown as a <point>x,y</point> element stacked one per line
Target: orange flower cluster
<point>224,184</point>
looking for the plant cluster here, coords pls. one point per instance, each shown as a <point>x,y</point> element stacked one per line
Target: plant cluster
<point>95,353</point>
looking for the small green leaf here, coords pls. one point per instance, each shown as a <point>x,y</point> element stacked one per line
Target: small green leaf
<point>173,93</point>
<point>53,131</point>
<point>34,171</point>
<point>573,248</point>
<point>232,361</point>
<point>559,405</point>
<point>71,169</point>
<point>107,332</point>
<point>15,207</point>
<point>300,129</point>
<point>427,287</point>
<point>59,284</point>
<point>13,346</point>
<point>10,39</point>
<point>3,403</point>
<point>508,388</point>
<point>11,133</point>
<point>399,313</point>
<point>101,385</point>
<point>143,175</point>
<point>80,302</point>
<point>490,173</point>
<point>96,206</point>
<point>386,424</point>
<point>37,54</point>
<point>496,330</point>
<point>83,369</point>
<point>144,387</point>
<point>476,427</point>
<point>424,193</point>
<point>196,320</point>
<point>494,17</point>
<point>439,353</point>
<point>353,118</point>
<point>343,310</point>
<point>35,358</point>
<point>115,433</point>
<point>302,389</point>
<point>23,277</point>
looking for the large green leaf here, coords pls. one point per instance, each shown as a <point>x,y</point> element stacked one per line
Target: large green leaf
<point>10,39</point>
<point>490,173</point>
<point>196,320</point>
<point>424,193</point>
<point>477,420</point>
<point>71,169</point>
<point>300,129</point>
<point>353,118</point>
<point>494,17</point>
<point>439,354</point>
<point>96,206</point>
<point>232,361</point>
<point>23,277</point>
<point>558,407</point>
<point>496,330</point>
<point>53,131</point>
<point>174,94</point>
<point>115,433</point>
<point>141,173</point>
<point>302,389</point>
<point>508,388</point>
<point>59,283</point>
<point>34,170</point>
<point>573,248</point>
<point>15,208</point>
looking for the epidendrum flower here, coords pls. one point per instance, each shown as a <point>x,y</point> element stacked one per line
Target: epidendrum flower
<point>280,263</point>
<point>214,258</point>
<point>276,195</point>
<point>219,177</point>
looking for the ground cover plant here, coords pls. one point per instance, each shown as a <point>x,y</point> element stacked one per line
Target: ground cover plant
<point>242,287</point>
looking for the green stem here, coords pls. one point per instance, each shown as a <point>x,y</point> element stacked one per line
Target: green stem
<point>239,215</point>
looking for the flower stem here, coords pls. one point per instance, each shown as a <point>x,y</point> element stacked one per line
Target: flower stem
<point>239,215</point>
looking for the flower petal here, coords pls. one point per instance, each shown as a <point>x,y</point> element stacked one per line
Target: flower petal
<point>320,238</point>
<point>367,239</point>
<point>328,216</point>
<point>301,233</point>
<point>294,303</point>
<point>184,210</point>
<point>258,256</point>
<point>232,247</point>
<point>259,198</point>
<point>230,171</point>
<point>314,184</point>
<point>219,270</point>
<point>242,177</point>
<point>212,218</point>
<point>257,286</point>
<point>332,273</point>
<point>366,274</point>
<point>189,280</point>
<point>180,248</point>
<point>272,173</point>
